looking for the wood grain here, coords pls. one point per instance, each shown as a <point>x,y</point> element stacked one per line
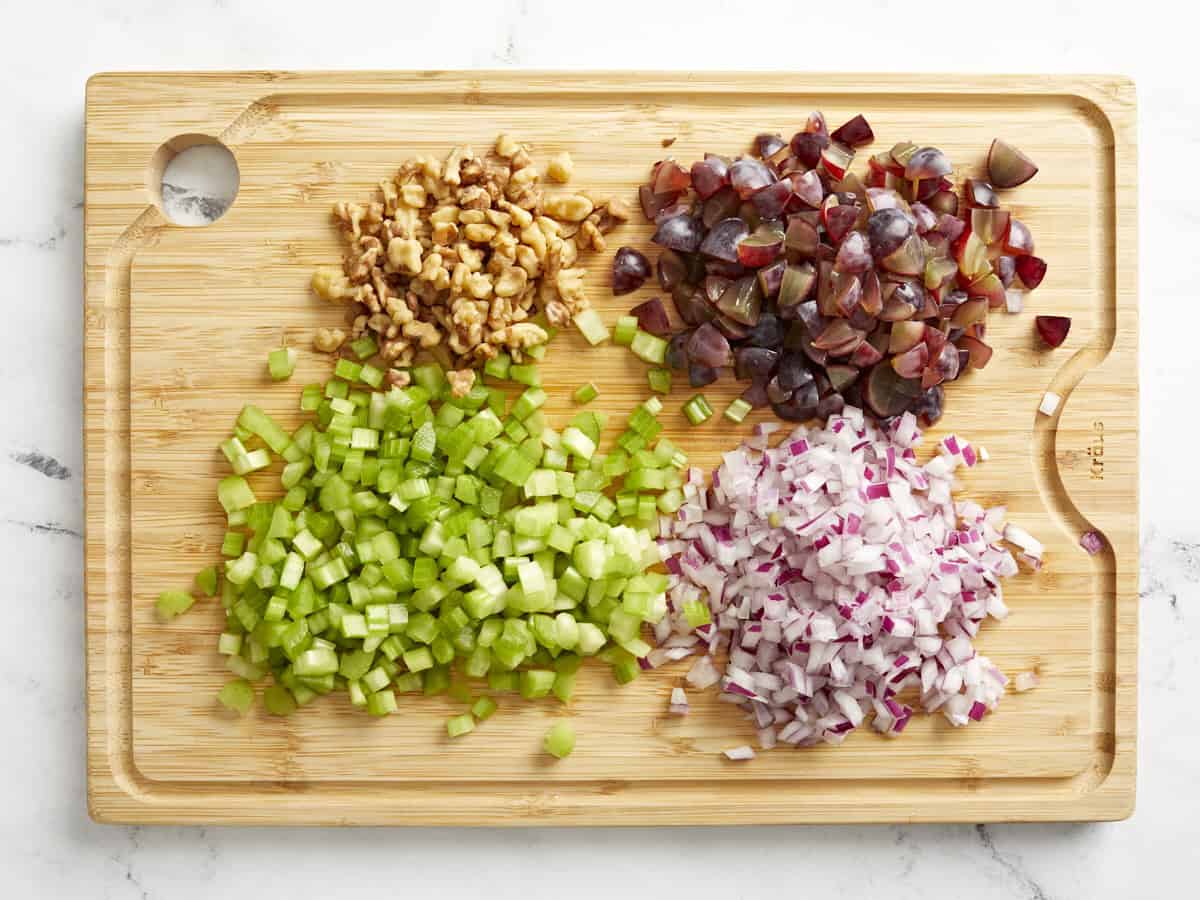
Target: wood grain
<point>178,322</point>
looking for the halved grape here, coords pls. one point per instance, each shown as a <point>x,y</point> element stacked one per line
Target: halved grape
<point>907,259</point>
<point>928,407</point>
<point>672,270</point>
<point>630,269</point>
<point>951,226</point>
<point>871,301</point>
<point>701,376</point>
<point>756,394</point>
<point>742,301</point>
<point>653,204</point>
<point>755,362</point>
<point>806,146</point>
<point>770,278</point>
<point>912,362</point>
<point>988,287</point>
<point>980,193</point>
<point>854,255</point>
<point>797,284</point>
<point>709,175</point>
<point>723,239</point>
<point>652,317</point>
<point>944,203</point>
<point>836,158</point>
<point>708,346</point>
<point>1006,269</point>
<point>972,256</point>
<point>801,406</point>
<point>978,352</point>
<point>808,188</point>
<point>1053,329</point>
<point>926,218</point>
<point>865,356</point>
<point>887,393</point>
<point>692,304</point>
<point>677,350</point>
<point>681,232</point>
<point>969,312</point>
<point>854,133</point>
<point>839,219</point>
<point>767,332</point>
<point>990,224</point>
<point>767,144</point>
<point>906,335</point>
<point>802,238</point>
<point>1019,241</point>
<point>671,178</point>
<point>721,205</point>
<point>748,176</point>
<point>1008,166</point>
<point>887,230</point>
<point>927,162</point>
<point>1031,269</point>
<point>901,153</point>
<point>771,200</point>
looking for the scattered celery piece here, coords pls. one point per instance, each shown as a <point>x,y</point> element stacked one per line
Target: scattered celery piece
<point>585,393</point>
<point>237,696</point>
<point>457,726</point>
<point>738,410</point>
<point>591,326</point>
<point>624,330</point>
<point>660,380</point>
<point>281,363</point>
<point>206,581</point>
<point>173,603</point>
<point>649,348</point>
<point>697,410</point>
<point>560,740</point>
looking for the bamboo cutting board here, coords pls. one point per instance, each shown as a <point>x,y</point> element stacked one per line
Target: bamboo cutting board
<point>179,321</point>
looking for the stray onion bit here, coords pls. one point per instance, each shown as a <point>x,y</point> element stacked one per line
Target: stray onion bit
<point>679,702</point>
<point>1026,681</point>
<point>1092,542</point>
<point>837,573</point>
<point>1049,404</point>
<point>739,753</point>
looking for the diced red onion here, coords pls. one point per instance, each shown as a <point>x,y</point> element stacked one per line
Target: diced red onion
<point>840,572</point>
<point>1026,681</point>
<point>679,702</point>
<point>738,753</point>
<point>1092,542</point>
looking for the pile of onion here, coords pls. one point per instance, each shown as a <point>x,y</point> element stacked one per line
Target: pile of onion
<point>840,579</point>
<point>822,288</point>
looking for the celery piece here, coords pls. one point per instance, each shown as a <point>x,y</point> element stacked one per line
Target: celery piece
<point>697,410</point>
<point>528,375</point>
<point>649,348</point>
<point>536,683</point>
<point>233,544</point>
<point>347,369</point>
<point>586,393</point>
<point>502,681</point>
<point>258,422</point>
<point>281,363</point>
<point>564,686</point>
<point>237,696</point>
<point>591,326</point>
<point>365,347</point>
<point>660,380</point>
<point>560,740</point>
<point>483,708</point>
<point>206,581</point>
<point>381,703</point>
<point>435,681</point>
<point>738,410</point>
<point>498,368</point>
<point>234,493</point>
<point>418,659</point>
<point>173,603</point>
<point>279,701</point>
<point>457,726</point>
<point>575,442</point>
<point>310,399</point>
<point>624,330</point>
<point>531,400</point>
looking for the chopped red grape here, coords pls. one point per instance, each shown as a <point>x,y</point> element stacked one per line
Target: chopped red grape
<point>630,270</point>
<point>1031,270</point>
<point>1053,329</point>
<point>1007,166</point>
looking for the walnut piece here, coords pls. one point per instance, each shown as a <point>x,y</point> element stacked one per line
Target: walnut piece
<point>461,254</point>
<point>327,340</point>
<point>461,382</point>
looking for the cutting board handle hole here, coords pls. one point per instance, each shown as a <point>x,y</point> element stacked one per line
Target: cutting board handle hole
<point>193,179</point>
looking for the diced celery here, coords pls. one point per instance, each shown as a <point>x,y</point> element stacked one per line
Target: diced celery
<point>624,330</point>
<point>528,375</point>
<point>206,581</point>
<point>660,380</point>
<point>281,363</point>
<point>697,410</point>
<point>279,701</point>
<point>237,696</point>
<point>649,348</point>
<point>560,740</point>
<point>591,326</point>
<point>173,603</point>
<point>457,726</point>
<point>738,410</point>
<point>585,393</point>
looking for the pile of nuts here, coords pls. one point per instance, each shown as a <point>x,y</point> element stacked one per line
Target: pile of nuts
<point>459,256</point>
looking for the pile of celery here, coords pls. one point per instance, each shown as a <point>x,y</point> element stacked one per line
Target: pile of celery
<point>421,534</point>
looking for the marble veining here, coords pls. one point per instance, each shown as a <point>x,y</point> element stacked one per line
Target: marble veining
<point>48,846</point>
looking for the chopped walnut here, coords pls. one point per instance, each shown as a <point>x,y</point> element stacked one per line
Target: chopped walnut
<point>560,168</point>
<point>327,340</point>
<point>570,207</point>
<point>397,378</point>
<point>461,382</point>
<point>460,254</point>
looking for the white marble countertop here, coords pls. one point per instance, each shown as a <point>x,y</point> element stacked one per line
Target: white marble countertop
<point>49,847</point>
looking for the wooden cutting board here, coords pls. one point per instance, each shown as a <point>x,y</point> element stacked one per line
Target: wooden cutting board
<point>179,321</point>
